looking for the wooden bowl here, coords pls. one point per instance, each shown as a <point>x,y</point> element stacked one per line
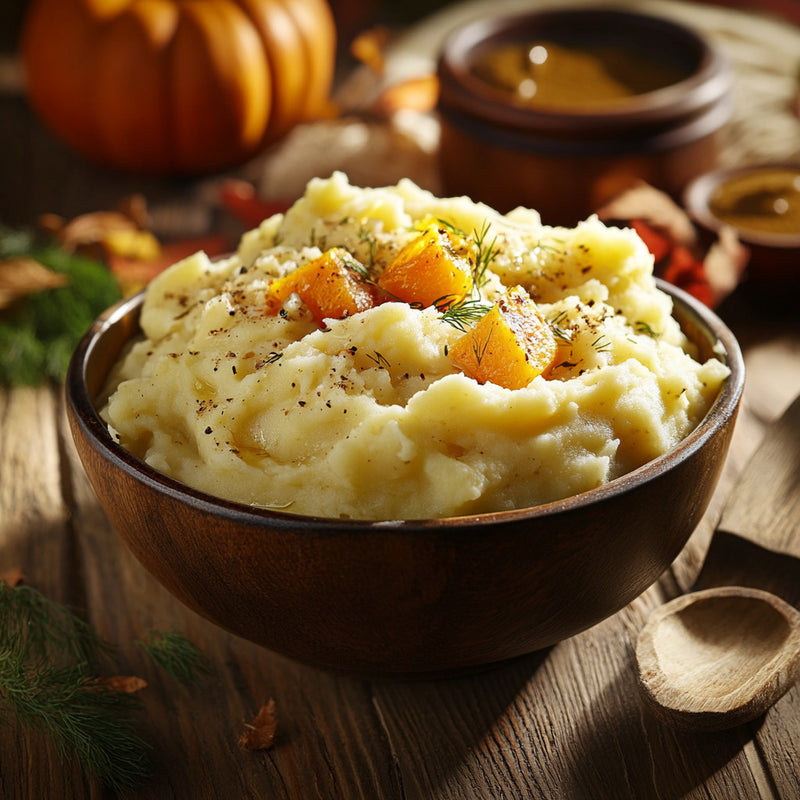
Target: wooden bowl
<point>566,162</point>
<point>405,598</point>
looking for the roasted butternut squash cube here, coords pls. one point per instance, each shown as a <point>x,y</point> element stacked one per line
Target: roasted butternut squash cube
<point>428,272</point>
<point>509,346</point>
<point>329,285</point>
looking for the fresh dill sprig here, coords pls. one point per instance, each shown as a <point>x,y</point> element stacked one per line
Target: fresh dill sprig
<point>177,656</point>
<point>48,682</point>
<point>484,254</point>
<point>452,228</point>
<point>379,359</point>
<point>366,235</point>
<point>479,348</point>
<point>465,314</point>
<point>643,327</point>
<point>354,265</point>
<point>602,344</point>
<point>552,248</point>
<point>37,628</point>
<point>559,331</point>
<point>83,717</point>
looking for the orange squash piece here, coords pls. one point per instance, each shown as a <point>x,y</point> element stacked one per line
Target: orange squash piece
<point>428,272</point>
<point>509,346</point>
<point>328,285</point>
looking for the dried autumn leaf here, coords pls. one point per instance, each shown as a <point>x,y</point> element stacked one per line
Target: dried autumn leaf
<point>13,577</point>
<point>125,683</point>
<point>92,228</point>
<point>122,232</point>
<point>414,94</point>
<point>131,243</point>
<point>369,46</point>
<point>22,276</point>
<point>260,733</point>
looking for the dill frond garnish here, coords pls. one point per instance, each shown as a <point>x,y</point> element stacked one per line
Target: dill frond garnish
<point>559,331</point>
<point>48,682</point>
<point>177,656</point>
<point>550,247</point>
<point>479,348</point>
<point>602,344</point>
<point>484,254</point>
<point>354,265</point>
<point>452,228</point>
<point>366,235</point>
<point>379,359</point>
<point>643,327</point>
<point>465,314</point>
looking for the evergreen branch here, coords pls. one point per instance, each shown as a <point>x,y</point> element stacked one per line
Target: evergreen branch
<point>82,717</point>
<point>177,656</point>
<point>48,657</point>
<point>35,627</point>
<point>38,335</point>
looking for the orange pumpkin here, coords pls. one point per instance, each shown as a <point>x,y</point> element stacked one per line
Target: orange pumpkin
<point>171,87</point>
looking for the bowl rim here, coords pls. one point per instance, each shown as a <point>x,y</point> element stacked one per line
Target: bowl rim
<point>83,411</point>
<point>704,88</point>
<point>697,194</point>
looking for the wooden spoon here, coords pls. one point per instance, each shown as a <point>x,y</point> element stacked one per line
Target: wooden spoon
<point>722,656</point>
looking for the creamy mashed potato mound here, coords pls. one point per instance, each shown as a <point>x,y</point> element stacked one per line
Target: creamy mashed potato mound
<point>366,417</point>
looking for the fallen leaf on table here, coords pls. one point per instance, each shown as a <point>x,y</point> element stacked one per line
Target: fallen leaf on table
<point>415,94</point>
<point>369,46</point>
<point>22,276</point>
<point>122,232</point>
<point>260,733</point>
<point>124,683</point>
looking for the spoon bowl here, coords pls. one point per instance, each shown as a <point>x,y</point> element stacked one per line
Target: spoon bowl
<point>721,656</point>
<point>717,658</point>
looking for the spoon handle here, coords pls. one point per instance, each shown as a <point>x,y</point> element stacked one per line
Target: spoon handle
<point>757,542</point>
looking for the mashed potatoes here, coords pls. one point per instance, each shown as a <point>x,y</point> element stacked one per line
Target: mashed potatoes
<point>366,417</point>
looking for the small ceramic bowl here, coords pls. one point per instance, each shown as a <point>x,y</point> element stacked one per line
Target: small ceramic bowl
<point>405,598</point>
<point>762,203</point>
<point>569,153</point>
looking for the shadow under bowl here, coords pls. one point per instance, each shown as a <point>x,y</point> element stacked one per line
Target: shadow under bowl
<point>406,598</point>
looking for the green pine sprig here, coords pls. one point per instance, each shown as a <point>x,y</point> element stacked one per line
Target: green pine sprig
<point>50,660</point>
<point>177,656</point>
<point>39,334</point>
<point>48,668</point>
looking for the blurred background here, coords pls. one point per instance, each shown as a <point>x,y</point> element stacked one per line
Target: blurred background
<point>40,175</point>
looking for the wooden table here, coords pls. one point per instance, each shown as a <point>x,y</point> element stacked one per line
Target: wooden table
<point>563,723</point>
